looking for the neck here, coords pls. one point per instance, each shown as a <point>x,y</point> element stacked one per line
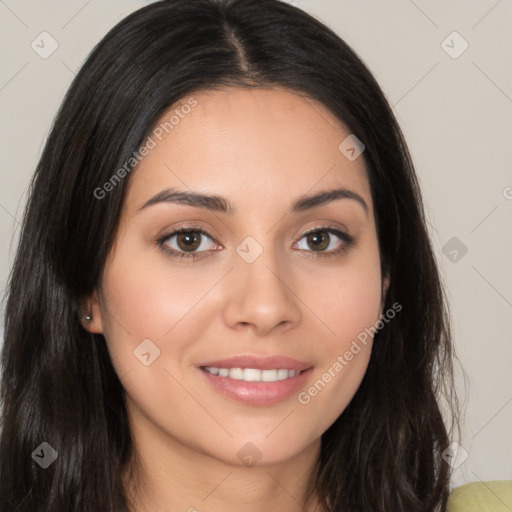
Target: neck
<point>190,481</point>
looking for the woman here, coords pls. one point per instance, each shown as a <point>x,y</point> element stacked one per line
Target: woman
<point>224,295</point>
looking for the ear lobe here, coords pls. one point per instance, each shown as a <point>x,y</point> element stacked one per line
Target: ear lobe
<point>90,314</point>
<point>385,286</point>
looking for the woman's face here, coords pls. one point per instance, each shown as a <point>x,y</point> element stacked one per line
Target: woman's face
<point>258,287</point>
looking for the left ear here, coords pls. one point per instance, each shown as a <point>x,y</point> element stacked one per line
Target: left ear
<point>384,291</point>
<point>90,307</point>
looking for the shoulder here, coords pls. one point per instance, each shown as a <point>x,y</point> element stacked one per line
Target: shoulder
<point>494,496</point>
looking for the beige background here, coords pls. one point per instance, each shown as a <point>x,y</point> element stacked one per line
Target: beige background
<point>456,114</point>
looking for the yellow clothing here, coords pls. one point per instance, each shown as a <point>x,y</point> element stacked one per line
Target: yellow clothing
<point>495,496</point>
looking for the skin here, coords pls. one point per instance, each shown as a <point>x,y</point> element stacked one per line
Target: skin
<point>261,149</point>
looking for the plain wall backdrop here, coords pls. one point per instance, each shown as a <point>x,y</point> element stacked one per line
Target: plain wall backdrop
<point>445,67</point>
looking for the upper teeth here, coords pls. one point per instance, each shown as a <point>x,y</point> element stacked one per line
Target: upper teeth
<point>252,374</point>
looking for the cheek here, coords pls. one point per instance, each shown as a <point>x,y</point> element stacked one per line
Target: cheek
<point>346,304</point>
<point>136,306</point>
<point>353,306</point>
<point>144,300</point>
<point>347,301</point>
<point>147,299</point>
<point>350,313</point>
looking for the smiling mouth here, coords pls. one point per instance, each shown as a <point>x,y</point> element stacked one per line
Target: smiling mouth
<point>254,386</point>
<point>253,374</point>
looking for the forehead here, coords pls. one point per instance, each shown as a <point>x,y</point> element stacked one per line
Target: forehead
<point>238,142</point>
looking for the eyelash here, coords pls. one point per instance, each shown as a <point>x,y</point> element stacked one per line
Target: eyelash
<point>346,238</point>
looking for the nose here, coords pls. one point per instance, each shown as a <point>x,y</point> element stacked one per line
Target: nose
<point>261,296</point>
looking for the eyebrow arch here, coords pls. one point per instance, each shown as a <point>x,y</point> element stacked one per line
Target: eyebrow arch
<point>220,204</point>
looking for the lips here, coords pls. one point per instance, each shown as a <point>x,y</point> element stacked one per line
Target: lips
<point>257,393</point>
<point>263,392</point>
<point>259,362</point>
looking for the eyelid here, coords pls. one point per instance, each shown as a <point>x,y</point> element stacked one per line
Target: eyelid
<point>160,241</point>
<point>347,239</point>
<point>328,228</point>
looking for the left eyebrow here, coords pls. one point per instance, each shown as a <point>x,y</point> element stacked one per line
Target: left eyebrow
<point>223,205</point>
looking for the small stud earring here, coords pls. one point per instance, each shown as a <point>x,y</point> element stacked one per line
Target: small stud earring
<point>88,318</point>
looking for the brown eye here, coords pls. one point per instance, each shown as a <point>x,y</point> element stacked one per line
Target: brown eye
<point>318,240</point>
<point>188,241</point>
<point>322,242</point>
